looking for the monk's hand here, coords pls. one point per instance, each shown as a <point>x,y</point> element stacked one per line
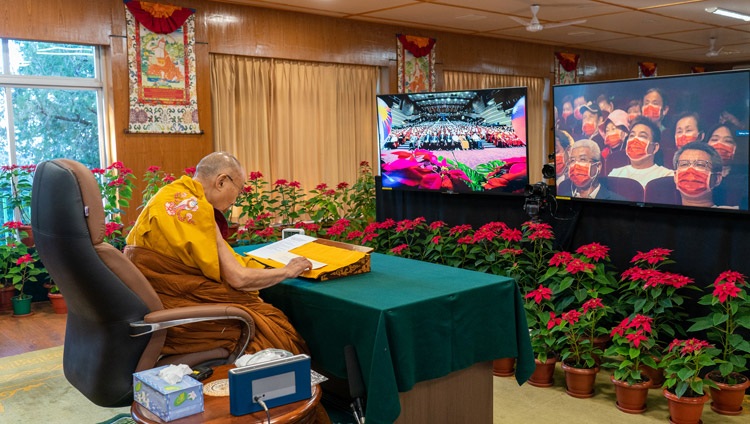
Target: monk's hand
<point>297,266</point>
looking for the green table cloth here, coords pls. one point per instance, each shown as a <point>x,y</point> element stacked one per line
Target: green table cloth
<point>409,321</point>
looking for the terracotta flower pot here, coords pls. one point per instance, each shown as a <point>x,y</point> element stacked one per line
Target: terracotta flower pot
<point>58,303</point>
<point>631,398</point>
<point>728,400</point>
<point>656,375</point>
<point>685,410</point>
<point>544,372</point>
<point>580,381</point>
<point>6,293</point>
<point>504,367</point>
<point>29,239</point>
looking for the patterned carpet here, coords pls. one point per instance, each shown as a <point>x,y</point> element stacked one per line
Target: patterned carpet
<point>34,390</point>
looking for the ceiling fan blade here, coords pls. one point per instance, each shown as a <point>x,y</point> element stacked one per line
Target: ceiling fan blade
<point>519,20</point>
<point>562,24</point>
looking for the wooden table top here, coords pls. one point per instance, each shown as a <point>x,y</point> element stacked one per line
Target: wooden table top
<point>216,409</point>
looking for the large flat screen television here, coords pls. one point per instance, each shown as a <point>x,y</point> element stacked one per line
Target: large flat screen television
<point>471,141</point>
<point>677,141</point>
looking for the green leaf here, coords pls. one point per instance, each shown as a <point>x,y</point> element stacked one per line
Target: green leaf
<point>700,324</point>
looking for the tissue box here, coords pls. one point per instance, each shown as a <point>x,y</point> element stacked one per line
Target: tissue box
<point>167,401</point>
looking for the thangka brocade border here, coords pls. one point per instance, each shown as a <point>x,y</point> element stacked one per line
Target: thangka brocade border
<point>165,104</point>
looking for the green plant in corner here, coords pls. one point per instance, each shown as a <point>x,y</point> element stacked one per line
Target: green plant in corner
<point>729,312</point>
<point>15,189</point>
<point>23,271</point>
<point>360,198</point>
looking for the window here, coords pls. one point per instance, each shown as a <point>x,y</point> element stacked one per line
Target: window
<point>51,104</point>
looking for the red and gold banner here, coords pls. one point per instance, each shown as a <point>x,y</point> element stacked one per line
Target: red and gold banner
<point>566,68</point>
<point>161,61</point>
<point>416,64</point>
<point>647,69</point>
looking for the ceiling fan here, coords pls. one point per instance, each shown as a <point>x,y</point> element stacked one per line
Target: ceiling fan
<point>714,52</point>
<point>534,26</point>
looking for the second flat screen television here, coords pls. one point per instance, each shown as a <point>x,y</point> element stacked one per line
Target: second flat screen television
<point>678,141</point>
<point>471,141</point>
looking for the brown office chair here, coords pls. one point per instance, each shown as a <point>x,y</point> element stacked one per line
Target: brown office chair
<point>116,324</point>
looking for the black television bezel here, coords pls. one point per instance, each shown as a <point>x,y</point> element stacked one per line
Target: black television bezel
<point>520,190</point>
<point>650,82</point>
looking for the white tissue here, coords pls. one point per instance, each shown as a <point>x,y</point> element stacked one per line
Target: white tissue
<point>264,355</point>
<point>173,374</point>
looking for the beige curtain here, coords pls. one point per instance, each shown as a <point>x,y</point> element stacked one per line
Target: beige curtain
<point>298,121</point>
<point>535,108</point>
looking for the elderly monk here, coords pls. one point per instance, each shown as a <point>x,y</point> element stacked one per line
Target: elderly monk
<point>178,246</point>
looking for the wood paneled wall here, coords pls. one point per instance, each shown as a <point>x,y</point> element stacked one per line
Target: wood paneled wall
<point>233,29</point>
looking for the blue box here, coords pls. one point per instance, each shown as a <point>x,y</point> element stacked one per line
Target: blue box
<point>167,401</point>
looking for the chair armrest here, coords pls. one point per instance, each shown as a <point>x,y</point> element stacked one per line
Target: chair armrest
<point>166,318</point>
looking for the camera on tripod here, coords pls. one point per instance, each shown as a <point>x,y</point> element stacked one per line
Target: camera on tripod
<point>536,199</point>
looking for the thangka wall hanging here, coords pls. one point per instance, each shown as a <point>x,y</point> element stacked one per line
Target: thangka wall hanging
<point>161,65</point>
<point>566,68</point>
<point>646,69</point>
<point>416,64</point>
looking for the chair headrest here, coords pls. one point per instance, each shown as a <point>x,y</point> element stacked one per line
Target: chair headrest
<point>93,208</point>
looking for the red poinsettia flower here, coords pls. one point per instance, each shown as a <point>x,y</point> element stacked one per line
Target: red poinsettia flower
<point>593,251</point>
<point>541,293</point>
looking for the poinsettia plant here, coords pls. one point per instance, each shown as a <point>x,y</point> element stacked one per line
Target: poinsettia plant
<point>543,323</point>
<point>580,327</point>
<point>683,362</point>
<point>536,244</point>
<point>584,274</point>
<point>632,342</point>
<point>650,290</point>
<point>729,312</point>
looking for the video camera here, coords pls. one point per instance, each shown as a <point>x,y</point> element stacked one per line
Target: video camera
<point>536,199</point>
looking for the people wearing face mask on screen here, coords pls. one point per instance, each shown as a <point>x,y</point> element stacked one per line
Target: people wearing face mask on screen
<point>641,146</point>
<point>615,132</point>
<point>733,189</point>
<point>687,129</point>
<point>563,141</point>
<point>577,116</point>
<point>591,119</point>
<point>655,107</point>
<point>697,173</point>
<point>584,166</point>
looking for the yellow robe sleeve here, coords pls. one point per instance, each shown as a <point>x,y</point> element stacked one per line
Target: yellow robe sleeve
<point>179,222</point>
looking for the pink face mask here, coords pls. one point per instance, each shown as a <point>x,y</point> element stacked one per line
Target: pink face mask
<point>588,128</point>
<point>580,174</point>
<point>691,181</point>
<point>652,112</point>
<point>613,140</point>
<point>725,150</point>
<point>637,148</point>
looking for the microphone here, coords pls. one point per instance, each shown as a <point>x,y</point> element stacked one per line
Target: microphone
<point>357,388</point>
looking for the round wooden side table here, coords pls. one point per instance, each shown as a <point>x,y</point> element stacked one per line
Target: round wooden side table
<point>216,409</point>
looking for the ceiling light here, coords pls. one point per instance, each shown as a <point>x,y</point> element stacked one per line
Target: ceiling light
<point>728,13</point>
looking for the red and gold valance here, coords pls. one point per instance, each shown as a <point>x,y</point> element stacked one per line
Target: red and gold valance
<point>568,61</point>
<point>158,18</point>
<point>417,46</point>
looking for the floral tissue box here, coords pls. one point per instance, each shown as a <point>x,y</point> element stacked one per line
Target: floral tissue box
<point>167,401</point>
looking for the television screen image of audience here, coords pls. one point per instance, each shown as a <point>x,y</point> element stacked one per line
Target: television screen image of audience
<point>457,142</point>
<point>679,141</point>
